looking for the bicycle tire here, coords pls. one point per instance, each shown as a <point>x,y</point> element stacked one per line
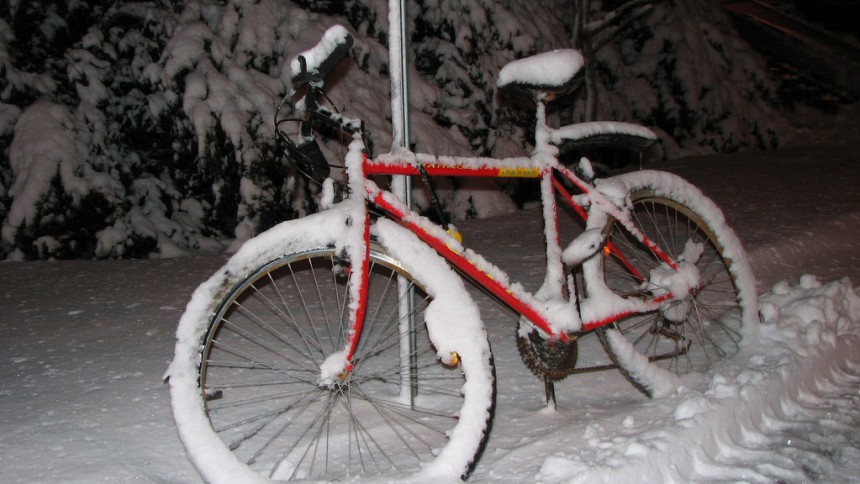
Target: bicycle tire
<point>692,334</point>
<point>245,389</point>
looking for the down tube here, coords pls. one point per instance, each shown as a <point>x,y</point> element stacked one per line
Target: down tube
<point>496,288</point>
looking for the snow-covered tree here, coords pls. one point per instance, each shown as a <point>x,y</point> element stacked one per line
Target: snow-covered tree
<point>145,128</point>
<point>685,71</point>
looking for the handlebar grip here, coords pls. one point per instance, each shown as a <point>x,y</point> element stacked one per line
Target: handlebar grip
<point>316,63</point>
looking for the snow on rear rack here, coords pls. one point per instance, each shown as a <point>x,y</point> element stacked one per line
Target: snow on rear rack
<point>603,134</point>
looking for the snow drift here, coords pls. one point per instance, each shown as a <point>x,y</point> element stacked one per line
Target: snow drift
<point>783,409</point>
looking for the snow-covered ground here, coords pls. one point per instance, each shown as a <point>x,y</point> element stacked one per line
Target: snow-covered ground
<point>84,345</point>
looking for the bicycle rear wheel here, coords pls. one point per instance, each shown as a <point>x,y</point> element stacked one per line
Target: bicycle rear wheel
<point>259,377</point>
<point>690,334</point>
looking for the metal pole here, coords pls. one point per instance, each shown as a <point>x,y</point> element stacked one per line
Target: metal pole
<point>401,186</point>
<point>398,45</point>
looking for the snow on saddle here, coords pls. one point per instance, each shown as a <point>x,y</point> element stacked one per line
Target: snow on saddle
<point>550,74</point>
<point>546,73</point>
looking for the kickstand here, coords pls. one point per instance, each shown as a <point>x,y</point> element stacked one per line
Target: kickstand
<point>549,389</point>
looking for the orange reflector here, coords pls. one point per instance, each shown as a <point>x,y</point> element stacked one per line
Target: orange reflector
<point>453,232</point>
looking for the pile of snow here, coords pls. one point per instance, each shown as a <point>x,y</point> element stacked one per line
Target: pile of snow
<point>783,409</point>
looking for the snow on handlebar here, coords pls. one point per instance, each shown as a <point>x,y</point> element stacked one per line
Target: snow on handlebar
<point>318,61</point>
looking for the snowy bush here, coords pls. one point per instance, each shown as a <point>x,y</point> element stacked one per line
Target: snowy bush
<point>145,128</point>
<point>686,73</point>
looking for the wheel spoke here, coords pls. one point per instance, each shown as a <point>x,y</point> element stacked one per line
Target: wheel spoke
<point>261,365</point>
<point>709,327</point>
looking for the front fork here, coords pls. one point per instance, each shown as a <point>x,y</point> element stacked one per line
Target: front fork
<point>337,368</point>
<point>354,247</point>
<point>358,283</point>
<point>354,262</point>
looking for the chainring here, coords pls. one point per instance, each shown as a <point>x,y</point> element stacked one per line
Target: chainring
<point>548,360</point>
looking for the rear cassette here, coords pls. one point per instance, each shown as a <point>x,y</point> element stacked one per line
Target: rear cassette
<point>548,360</point>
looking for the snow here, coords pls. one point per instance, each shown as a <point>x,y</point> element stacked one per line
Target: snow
<point>763,402</point>
<point>550,69</point>
<point>591,128</point>
<point>85,345</point>
<point>582,247</point>
<point>335,38</point>
<point>186,94</point>
<point>332,368</point>
<point>680,280</point>
<point>659,382</point>
<point>466,337</point>
<point>36,157</point>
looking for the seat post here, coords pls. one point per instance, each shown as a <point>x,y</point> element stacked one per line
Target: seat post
<point>542,131</point>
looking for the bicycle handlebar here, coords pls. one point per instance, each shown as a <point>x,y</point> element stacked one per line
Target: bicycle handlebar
<point>317,62</point>
<point>309,70</point>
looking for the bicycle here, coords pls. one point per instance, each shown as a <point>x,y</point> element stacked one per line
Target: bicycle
<point>344,343</point>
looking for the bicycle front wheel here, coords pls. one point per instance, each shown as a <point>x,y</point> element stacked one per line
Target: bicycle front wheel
<point>259,376</point>
<point>690,334</point>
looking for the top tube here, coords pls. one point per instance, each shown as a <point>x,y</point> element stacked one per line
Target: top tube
<point>407,163</point>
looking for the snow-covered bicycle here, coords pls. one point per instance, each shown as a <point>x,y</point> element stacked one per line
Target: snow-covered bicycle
<point>344,344</point>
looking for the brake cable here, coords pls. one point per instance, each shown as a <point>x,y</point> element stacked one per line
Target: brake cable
<point>434,199</point>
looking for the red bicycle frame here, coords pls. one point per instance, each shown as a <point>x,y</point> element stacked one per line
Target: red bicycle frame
<point>450,249</point>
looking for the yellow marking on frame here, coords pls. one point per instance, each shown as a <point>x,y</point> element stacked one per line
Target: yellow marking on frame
<point>519,172</point>
<point>453,232</point>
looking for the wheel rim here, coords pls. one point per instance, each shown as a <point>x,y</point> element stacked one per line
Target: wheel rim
<point>701,329</point>
<point>261,362</point>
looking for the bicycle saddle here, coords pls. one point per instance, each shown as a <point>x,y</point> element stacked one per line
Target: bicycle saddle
<point>317,62</point>
<point>549,72</point>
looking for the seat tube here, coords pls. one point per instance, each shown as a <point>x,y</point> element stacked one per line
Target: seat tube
<point>554,267</point>
<point>542,130</point>
<point>548,153</point>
